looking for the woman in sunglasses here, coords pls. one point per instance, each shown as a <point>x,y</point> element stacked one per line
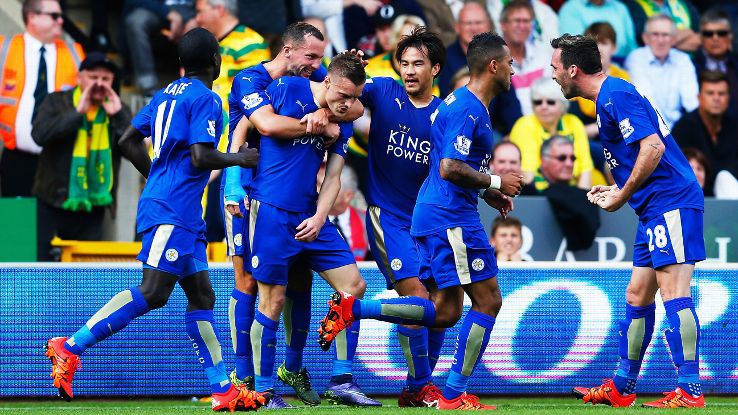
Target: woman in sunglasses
<point>549,118</point>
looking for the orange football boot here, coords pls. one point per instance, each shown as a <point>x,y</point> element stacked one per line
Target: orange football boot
<point>464,402</point>
<point>340,315</point>
<point>678,398</point>
<point>605,394</point>
<point>63,366</point>
<point>238,398</point>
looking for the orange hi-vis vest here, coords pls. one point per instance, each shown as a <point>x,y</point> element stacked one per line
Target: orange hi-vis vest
<point>13,78</point>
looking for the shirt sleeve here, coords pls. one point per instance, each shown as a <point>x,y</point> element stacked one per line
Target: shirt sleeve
<point>319,74</point>
<point>206,120</point>
<point>251,97</point>
<point>372,88</point>
<point>142,120</point>
<point>340,147</point>
<point>458,135</point>
<point>631,114</point>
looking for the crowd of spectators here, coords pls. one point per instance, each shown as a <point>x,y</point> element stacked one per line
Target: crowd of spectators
<point>678,53</point>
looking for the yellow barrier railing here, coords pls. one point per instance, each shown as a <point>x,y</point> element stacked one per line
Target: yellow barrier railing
<point>111,251</point>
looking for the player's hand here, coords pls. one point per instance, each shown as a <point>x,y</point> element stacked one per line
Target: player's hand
<point>331,134</point>
<point>84,100</point>
<point>359,54</point>
<point>316,122</point>
<point>111,103</point>
<point>234,209</point>
<point>596,190</point>
<point>499,201</point>
<point>309,229</point>
<point>610,200</point>
<point>249,157</point>
<point>511,184</point>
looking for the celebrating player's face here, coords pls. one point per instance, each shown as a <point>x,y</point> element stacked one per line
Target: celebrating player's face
<point>561,76</point>
<point>417,72</point>
<point>505,70</point>
<point>305,57</point>
<point>341,94</point>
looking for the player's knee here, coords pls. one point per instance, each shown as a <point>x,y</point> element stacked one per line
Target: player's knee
<point>358,287</point>
<point>274,306</point>
<point>154,298</point>
<point>635,295</point>
<point>202,300</point>
<point>447,317</point>
<point>246,283</point>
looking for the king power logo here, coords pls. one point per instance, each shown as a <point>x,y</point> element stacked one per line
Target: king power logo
<point>403,145</point>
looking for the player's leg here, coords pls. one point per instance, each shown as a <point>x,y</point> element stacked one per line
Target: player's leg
<point>436,335</point>
<point>296,316</point>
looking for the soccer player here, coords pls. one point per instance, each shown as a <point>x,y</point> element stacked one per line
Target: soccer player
<point>447,228</point>
<point>185,120</point>
<point>399,151</point>
<point>286,224</point>
<point>653,176</point>
<point>251,110</point>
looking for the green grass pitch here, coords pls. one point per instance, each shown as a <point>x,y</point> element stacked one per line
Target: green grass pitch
<point>507,405</point>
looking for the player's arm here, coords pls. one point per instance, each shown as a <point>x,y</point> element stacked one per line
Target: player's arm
<point>463,175</point>
<point>310,227</point>
<point>132,146</point>
<point>649,155</point>
<point>233,192</point>
<point>206,156</point>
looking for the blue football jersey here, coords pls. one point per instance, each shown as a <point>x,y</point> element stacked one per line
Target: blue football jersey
<point>184,113</point>
<point>399,146</point>
<point>462,131</point>
<point>625,117</point>
<point>248,94</point>
<point>288,168</point>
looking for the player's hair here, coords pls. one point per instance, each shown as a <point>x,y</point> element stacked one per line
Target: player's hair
<point>196,50</point>
<point>31,6</point>
<point>712,77</point>
<point>509,221</point>
<point>231,6</point>
<point>483,48</point>
<point>547,88</point>
<point>715,16</point>
<point>503,144</point>
<point>517,5</point>
<point>579,50</point>
<point>427,42</point>
<point>656,18</point>
<point>602,31</point>
<point>346,65</point>
<point>554,140</point>
<point>296,33</point>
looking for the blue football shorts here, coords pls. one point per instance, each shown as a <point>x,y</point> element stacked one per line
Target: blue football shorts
<point>394,249</point>
<point>457,256</point>
<point>174,250</point>
<point>675,237</point>
<point>274,248</point>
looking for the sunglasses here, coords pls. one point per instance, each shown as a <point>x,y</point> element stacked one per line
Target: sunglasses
<point>719,33</point>
<point>562,158</point>
<point>550,102</point>
<point>53,15</point>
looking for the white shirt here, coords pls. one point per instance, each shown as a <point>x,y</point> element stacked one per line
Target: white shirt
<point>671,85</point>
<point>32,55</point>
<point>344,221</point>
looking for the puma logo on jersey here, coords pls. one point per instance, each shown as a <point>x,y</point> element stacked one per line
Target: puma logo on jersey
<point>303,106</point>
<point>474,120</point>
<point>246,78</point>
<point>279,82</point>
<point>399,104</point>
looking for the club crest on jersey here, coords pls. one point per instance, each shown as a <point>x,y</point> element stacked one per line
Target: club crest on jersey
<point>254,261</point>
<point>478,264</point>
<point>462,145</point>
<point>251,100</point>
<point>625,128</point>
<point>238,239</point>
<point>396,264</point>
<point>211,128</point>
<point>171,255</point>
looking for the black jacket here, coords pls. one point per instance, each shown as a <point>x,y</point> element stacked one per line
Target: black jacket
<point>55,129</point>
<point>731,63</point>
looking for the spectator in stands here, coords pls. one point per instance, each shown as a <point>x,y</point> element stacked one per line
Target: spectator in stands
<point>663,74</point>
<point>240,47</point>
<point>726,184</point>
<point>345,214</point>
<point>361,18</point>
<point>79,130</point>
<point>507,238</point>
<point>331,12</point>
<point>576,15</point>
<point>330,50</point>
<point>506,159</point>
<point>145,19</point>
<point>716,54</point>
<point>557,163</point>
<point>440,19</point>
<point>701,168</point>
<point>34,64</point>
<point>545,23</point>
<point>682,12</point>
<point>531,60</point>
<point>710,128</point>
<point>550,119</point>
<point>385,64</point>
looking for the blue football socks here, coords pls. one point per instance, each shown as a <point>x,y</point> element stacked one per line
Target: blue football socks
<point>201,329</point>
<point>296,316</point>
<point>400,310</point>
<point>683,337</point>
<point>241,316</point>
<point>635,334</point>
<point>470,346</point>
<point>414,343</point>
<point>263,346</point>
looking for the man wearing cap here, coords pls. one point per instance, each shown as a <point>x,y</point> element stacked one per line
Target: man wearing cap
<point>78,131</point>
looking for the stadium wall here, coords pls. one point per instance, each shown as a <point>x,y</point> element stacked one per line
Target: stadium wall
<point>557,328</point>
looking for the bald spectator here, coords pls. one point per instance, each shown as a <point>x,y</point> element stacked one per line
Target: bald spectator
<point>576,15</point>
<point>682,12</point>
<point>716,53</point>
<point>663,74</point>
<point>34,64</point>
<point>531,60</point>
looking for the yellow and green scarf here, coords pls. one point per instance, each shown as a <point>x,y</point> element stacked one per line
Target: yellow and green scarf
<point>679,12</point>
<point>91,172</point>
